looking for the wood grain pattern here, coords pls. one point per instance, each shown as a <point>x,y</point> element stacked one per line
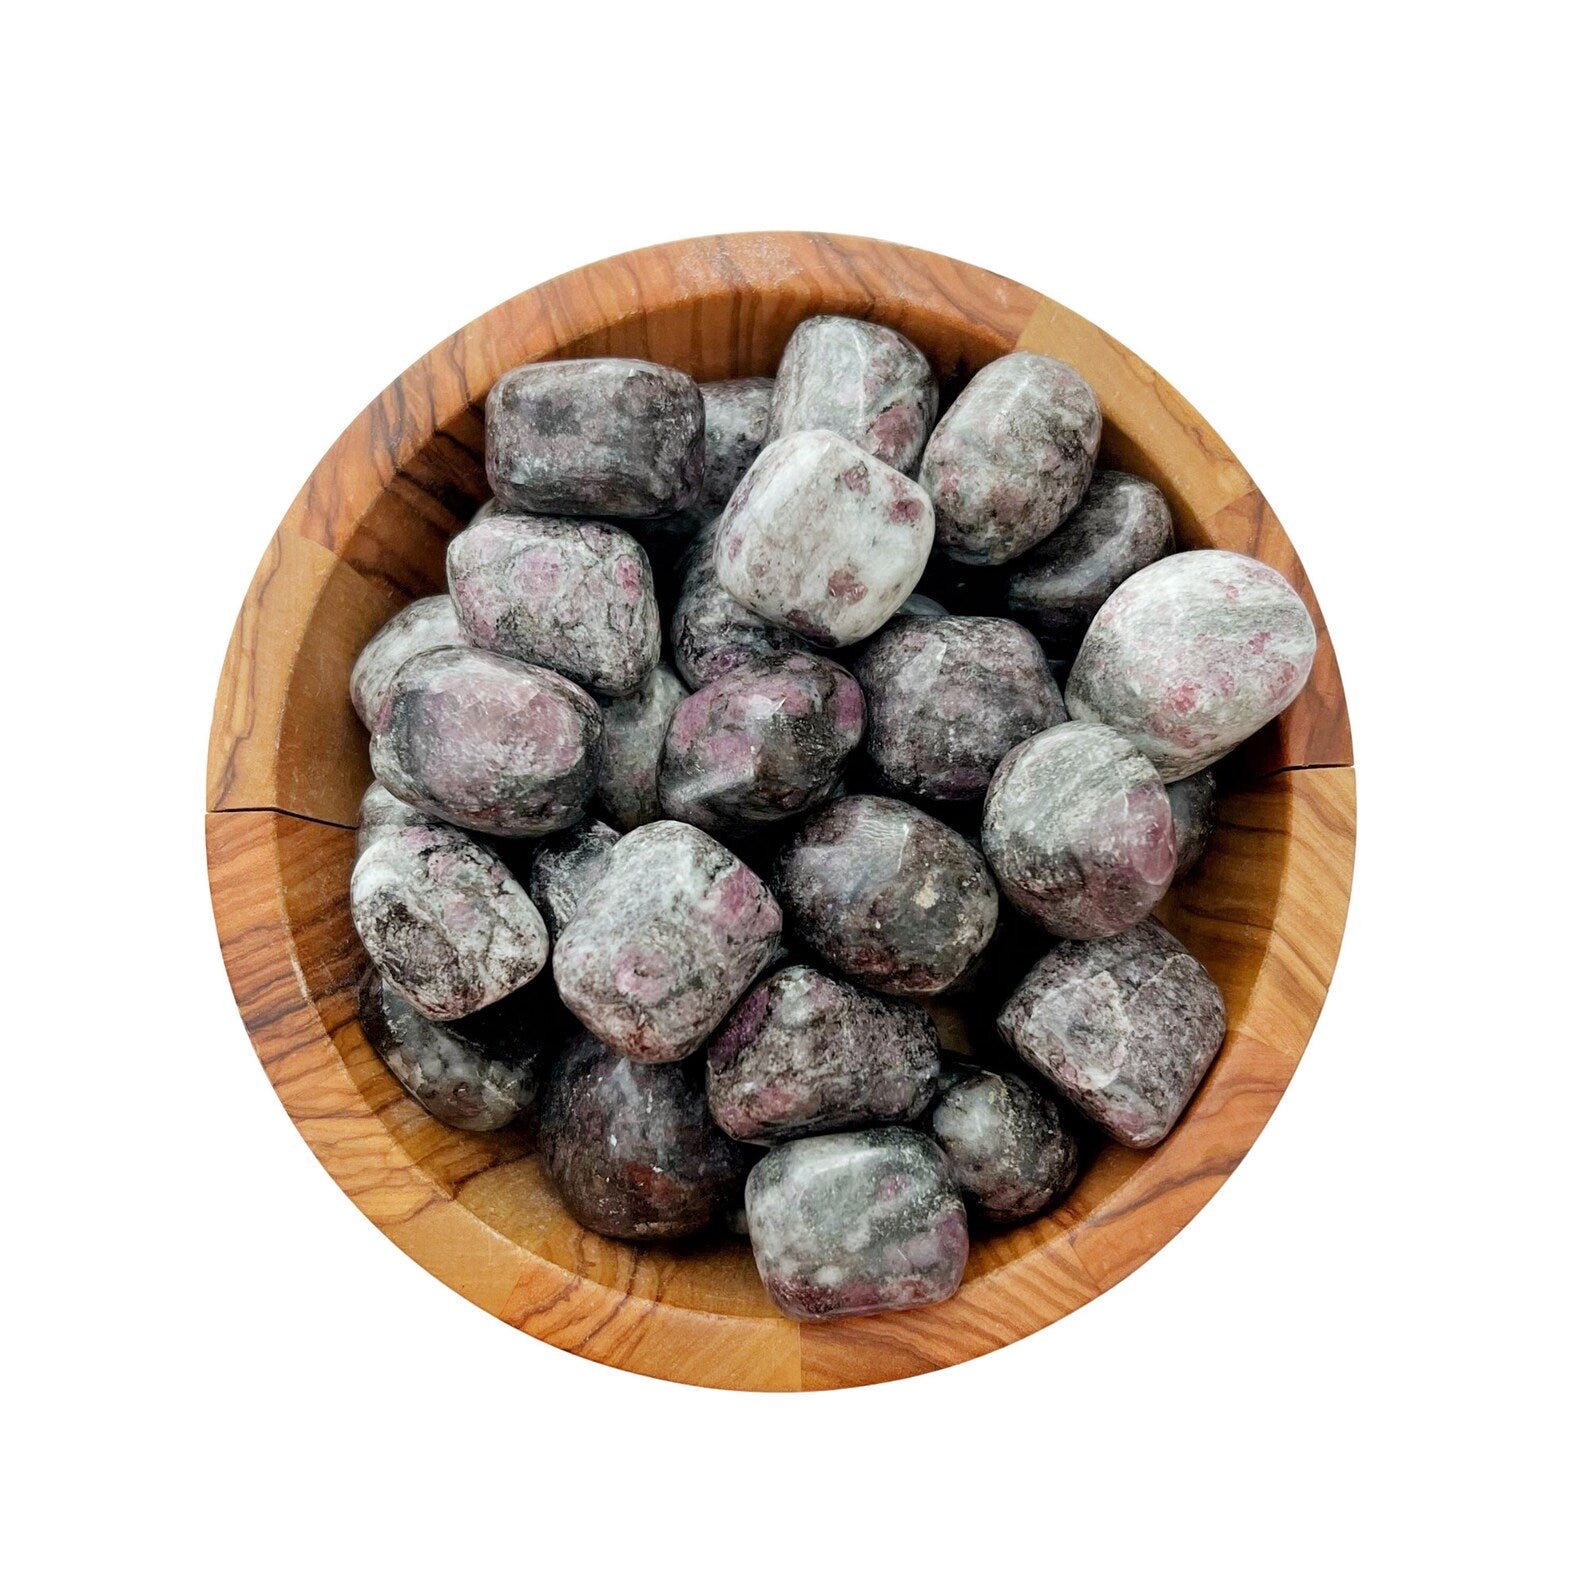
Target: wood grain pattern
<point>287,764</point>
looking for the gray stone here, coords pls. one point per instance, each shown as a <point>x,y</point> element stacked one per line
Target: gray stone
<point>422,625</point>
<point>1192,803</point>
<point>381,812</point>
<point>737,413</point>
<point>634,729</point>
<point>565,867</point>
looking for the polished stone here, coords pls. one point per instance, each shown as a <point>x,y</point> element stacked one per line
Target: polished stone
<point>381,812</point>
<point>737,414</point>
<point>565,867</point>
<point>422,625</point>
<point>634,728</point>
<point>1192,803</point>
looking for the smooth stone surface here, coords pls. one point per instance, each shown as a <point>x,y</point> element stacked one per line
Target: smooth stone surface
<point>916,605</point>
<point>381,812</point>
<point>1122,525</point>
<point>804,1053</point>
<point>1077,829</point>
<point>859,1223</point>
<point>822,538</point>
<point>631,1149</point>
<point>608,437</point>
<point>737,415</point>
<point>488,743</point>
<point>1012,458</point>
<point>865,382</point>
<point>948,698</point>
<point>444,921</point>
<point>1192,656</point>
<point>633,731</point>
<point>665,944</point>
<point>564,593</point>
<point>565,867</point>
<point>890,896</point>
<point>422,625</point>
<point>1193,805</point>
<point>760,744</point>
<point>1125,1027</point>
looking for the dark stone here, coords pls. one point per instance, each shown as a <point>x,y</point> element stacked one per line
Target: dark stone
<point>634,729</point>
<point>737,412</point>
<point>565,867</point>
<point>380,812</point>
<point>1192,803</point>
<point>422,625</point>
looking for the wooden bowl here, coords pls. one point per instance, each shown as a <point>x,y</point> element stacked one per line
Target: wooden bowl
<point>287,765</point>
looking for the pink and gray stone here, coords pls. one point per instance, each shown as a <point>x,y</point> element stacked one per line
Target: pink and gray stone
<point>1078,830</point>
<point>445,921</point>
<point>1125,1028</point>
<point>565,867</point>
<point>380,812</point>
<point>893,898</point>
<point>1122,525</point>
<point>863,381</point>
<point>564,593</point>
<point>631,1149</point>
<point>1193,655</point>
<point>1192,802</point>
<point>488,743</point>
<point>634,729</point>
<point>761,744</point>
<point>1008,1146</point>
<point>601,437</point>
<point>1012,458</point>
<point>737,414</point>
<point>805,1054</point>
<point>822,538</point>
<point>863,1222</point>
<point>665,943</point>
<point>948,698</point>
<point>422,625</point>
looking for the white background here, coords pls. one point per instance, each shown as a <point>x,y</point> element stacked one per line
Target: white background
<point>1348,234</point>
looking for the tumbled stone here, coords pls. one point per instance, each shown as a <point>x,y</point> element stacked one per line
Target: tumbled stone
<point>422,625</point>
<point>564,593</point>
<point>1009,1149</point>
<point>737,413</point>
<point>489,508</point>
<point>631,1149</point>
<point>822,538</point>
<point>668,543</point>
<point>1121,525</point>
<point>862,381</point>
<point>948,698</point>
<point>665,944</point>
<point>488,742</point>
<point>633,731</point>
<point>889,895</point>
<point>444,921</point>
<point>609,437</point>
<point>1012,457</point>
<point>804,1053</point>
<point>1125,1027</point>
<point>857,1223</point>
<point>1192,655</point>
<point>916,605</point>
<point>760,744</point>
<point>381,812</point>
<point>565,867</point>
<point>1192,804</point>
<point>1078,831</point>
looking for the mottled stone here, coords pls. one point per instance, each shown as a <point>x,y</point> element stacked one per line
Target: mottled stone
<point>422,625</point>
<point>760,744</point>
<point>634,729</point>
<point>822,538</point>
<point>631,1149</point>
<point>948,698</point>
<point>668,543</point>
<point>916,605</point>
<point>1121,526</point>
<point>1009,1149</point>
<point>608,437</point>
<point>1192,655</point>
<point>1125,1027</point>
<point>892,897</point>
<point>381,812</point>
<point>1078,831</point>
<point>737,413</point>
<point>666,943</point>
<point>852,1224</point>
<point>564,593</point>
<point>1012,457</point>
<point>444,921</point>
<point>865,382</point>
<point>488,742</point>
<point>804,1054</point>
<point>565,867</point>
<point>1192,803</point>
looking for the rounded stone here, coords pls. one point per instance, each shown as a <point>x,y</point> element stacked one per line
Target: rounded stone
<point>803,1054</point>
<point>380,812</point>
<point>760,744</point>
<point>863,381</point>
<point>1012,458</point>
<point>606,437</point>
<point>565,867</point>
<point>1125,1027</point>
<point>564,593</point>
<point>633,731</point>
<point>916,605</point>
<point>422,625</point>
<point>1193,655</point>
<point>1122,525</point>
<point>1192,803</point>
<point>488,743</point>
<point>737,414</point>
<point>948,698</point>
<point>1077,829</point>
<point>893,898</point>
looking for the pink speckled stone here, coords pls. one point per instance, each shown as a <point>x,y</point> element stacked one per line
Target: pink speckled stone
<point>737,414</point>
<point>420,626</point>
<point>634,730</point>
